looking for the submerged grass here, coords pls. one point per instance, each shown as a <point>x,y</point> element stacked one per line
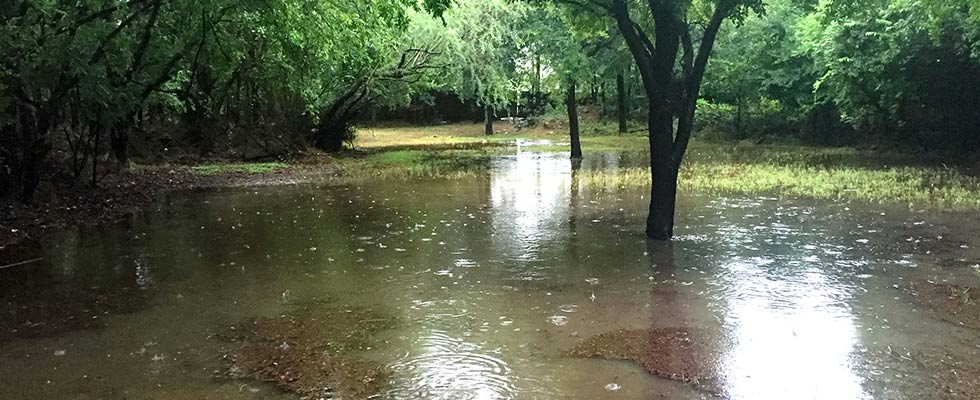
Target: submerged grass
<point>918,186</point>
<point>743,168</point>
<point>241,168</point>
<point>311,351</point>
<point>462,151</point>
<point>415,164</point>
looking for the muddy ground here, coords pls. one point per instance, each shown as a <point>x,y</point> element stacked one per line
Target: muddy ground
<point>956,304</point>
<point>896,373</point>
<point>311,351</point>
<point>681,354</point>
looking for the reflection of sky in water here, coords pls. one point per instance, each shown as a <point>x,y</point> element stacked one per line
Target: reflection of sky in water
<point>785,307</point>
<point>492,277</point>
<point>526,191</point>
<point>790,338</point>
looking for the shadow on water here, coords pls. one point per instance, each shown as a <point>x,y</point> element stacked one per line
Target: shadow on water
<point>519,283</point>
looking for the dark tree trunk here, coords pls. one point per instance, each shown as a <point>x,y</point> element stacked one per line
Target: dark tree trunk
<point>119,142</point>
<point>656,57</point>
<point>487,121</point>
<point>336,121</point>
<point>95,156</point>
<point>622,110</point>
<point>594,92</point>
<point>739,131</point>
<point>572,105</point>
<point>660,220</point>
<point>33,150</point>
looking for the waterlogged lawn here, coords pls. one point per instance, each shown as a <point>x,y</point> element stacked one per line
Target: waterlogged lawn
<point>242,168</point>
<point>787,170</point>
<point>918,186</point>
<point>461,151</point>
<point>411,164</point>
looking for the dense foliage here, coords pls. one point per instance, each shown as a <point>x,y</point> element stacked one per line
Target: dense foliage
<point>87,85</point>
<point>80,80</point>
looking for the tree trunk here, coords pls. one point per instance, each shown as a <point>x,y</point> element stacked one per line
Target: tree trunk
<point>34,147</point>
<point>536,82</point>
<point>739,133</point>
<point>572,105</point>
<point>621,106</point>
<point>119,141</point>
<point>663,200</point>
<point>656,58</point>
<point>487,121</point>
<point>95,155</point>
<point>663,173</point>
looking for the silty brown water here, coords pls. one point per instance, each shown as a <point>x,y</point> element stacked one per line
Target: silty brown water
<point>494,287</point>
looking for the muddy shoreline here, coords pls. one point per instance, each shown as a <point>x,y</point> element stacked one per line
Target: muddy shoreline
<point>23,226</point>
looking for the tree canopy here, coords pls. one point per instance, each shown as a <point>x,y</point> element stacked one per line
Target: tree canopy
<point>85,86</point>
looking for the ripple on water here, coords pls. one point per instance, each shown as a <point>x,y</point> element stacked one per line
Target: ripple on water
<point>450,368</point>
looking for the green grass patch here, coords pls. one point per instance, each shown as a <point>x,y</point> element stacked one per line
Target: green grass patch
<point>239,168</point>
<point>917,186</point>
<point>414,164</point>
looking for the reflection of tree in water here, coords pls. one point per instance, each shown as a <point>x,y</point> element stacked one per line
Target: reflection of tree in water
<point>573,202</point>
<point>69,291</point>
<point>675,345</point>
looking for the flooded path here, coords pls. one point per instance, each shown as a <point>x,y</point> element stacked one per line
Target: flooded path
<point>522,283</point>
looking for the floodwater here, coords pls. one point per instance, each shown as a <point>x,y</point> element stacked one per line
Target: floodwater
<point>489,283</point>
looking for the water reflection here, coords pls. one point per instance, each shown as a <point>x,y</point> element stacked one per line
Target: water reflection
<point>790,336</point>
<point>785,303</point>
<point>450,368</point>
<point>491,281</point>
<point>524,191</point>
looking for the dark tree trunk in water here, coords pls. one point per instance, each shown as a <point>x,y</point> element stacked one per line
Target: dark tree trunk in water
<point>487,121</point>
<point>663,188</point>
<point>571,104</point>
<point>656,57</point>
<point>621,102</point>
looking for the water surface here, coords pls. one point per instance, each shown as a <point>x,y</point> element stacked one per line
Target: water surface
<point>492,280</point>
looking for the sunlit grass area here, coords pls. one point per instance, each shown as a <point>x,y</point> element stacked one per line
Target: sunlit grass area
<point>736,168</point>
<point>598,136</point>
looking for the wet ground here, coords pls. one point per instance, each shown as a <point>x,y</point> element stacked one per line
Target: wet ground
<point>521,283</point>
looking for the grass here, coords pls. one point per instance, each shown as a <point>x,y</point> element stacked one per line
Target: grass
<point>460,151</point>
<point>416,164</point>
<point>916,186</point>
<point>455,151</point>
<point>239,168</point>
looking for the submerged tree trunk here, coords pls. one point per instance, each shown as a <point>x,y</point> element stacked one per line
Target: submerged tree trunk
<point>572,105</point>
<point>656,57</point>
<point>487,121</point>
<point>663,172</point>
<point>621,102</point>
